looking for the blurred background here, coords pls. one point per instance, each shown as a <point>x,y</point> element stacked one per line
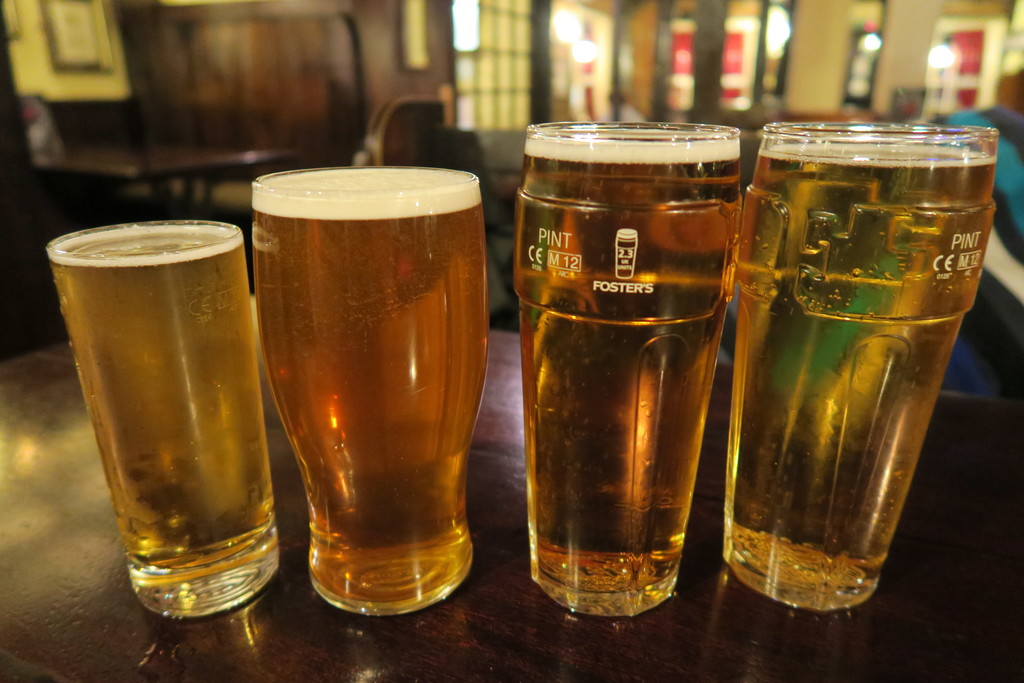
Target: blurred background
<point>124,110</point>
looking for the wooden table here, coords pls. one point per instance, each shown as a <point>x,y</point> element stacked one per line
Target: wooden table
<point>156,161</point>
<point>949,607</point>
<point>181,176</point>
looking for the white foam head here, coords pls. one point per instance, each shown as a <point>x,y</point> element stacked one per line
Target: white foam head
<point>656,144</point>
<point>144,244</point>
<point>361,193</point>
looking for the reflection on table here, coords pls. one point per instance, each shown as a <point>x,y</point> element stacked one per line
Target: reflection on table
<point>948,606</point>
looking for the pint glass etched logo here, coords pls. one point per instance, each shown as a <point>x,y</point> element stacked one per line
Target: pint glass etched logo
<point>625,253</point>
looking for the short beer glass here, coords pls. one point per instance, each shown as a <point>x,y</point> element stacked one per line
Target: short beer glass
<point>372,298</point>
<point>860,252</point>
<point>161,326</point>
<point>624,257</point>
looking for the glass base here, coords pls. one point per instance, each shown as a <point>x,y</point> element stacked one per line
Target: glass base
<point>805,595</point>
<point>606,604</point>
<point>201,590</point>
<point>380,608</point>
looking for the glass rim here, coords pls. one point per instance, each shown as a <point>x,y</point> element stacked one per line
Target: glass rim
<point>264,183</point>
<point>881,132</point>
<point>221,234</point>
<point>633,142</point>
<point>618,132</point>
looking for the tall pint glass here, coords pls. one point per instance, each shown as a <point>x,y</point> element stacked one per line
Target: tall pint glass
<point>161,327</point>
<point>624,257</point>
<point>372,297</point>
<point>860,252</point>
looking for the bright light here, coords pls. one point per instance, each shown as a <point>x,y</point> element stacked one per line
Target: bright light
<point>568,28</point>
<point>584,51</point>
<point>941,57</point>
<point>466,25</point>
<point>778,31</point>
<point>871,42</point>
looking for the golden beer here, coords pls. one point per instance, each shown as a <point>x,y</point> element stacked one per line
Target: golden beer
<point>860,253</point>
<point>160,323</point>
<point>625,247</point>
<point>372,298</point>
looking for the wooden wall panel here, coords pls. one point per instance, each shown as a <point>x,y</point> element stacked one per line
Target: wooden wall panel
<point>300,74</point>
<point>254,75</point>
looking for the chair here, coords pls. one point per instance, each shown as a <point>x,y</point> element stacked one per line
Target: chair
<point>414,132</point>
<point>994,329</point>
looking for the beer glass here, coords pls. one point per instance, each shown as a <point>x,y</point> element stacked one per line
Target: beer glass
<point>624,258</point>
<point>860,252</point>
<point>161,327</point>
<point>372,299</point>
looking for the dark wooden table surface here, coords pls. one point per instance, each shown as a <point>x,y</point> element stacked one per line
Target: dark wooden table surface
<point>181,177</point>
<point>949,607</point>
<point>156,162</point>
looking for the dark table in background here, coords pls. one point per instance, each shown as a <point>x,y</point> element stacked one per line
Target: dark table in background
<point>182,177</point>
<point>949,607</point>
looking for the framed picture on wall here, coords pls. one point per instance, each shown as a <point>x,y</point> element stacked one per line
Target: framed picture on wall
<point>77,34</point>
<point>11,19</point>
<point>415,54</point>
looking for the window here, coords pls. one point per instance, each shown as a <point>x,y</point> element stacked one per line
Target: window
<point>492,63</point>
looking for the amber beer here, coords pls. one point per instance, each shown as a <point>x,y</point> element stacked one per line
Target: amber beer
<point>860,253</point>
<point>372,297</point>
<point>161,327</point>
<point>625,241</point>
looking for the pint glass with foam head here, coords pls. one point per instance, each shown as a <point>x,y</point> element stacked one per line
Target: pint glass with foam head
<point>372,298</point>
<point>624,257</point>
<point>161,326</point>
